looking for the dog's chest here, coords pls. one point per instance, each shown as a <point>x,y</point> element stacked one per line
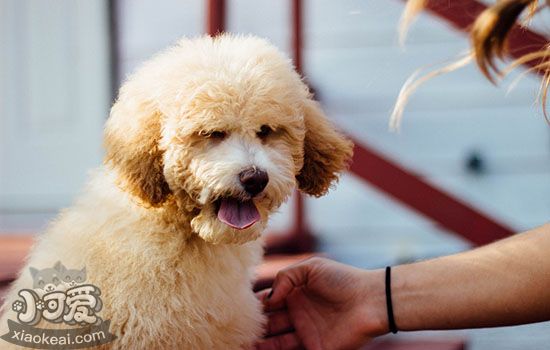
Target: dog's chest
<point>204,299</point>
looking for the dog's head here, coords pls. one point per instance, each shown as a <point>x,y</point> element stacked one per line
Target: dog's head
<point>227,125</point>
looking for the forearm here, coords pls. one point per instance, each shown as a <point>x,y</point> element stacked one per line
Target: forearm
<point>504,283</point>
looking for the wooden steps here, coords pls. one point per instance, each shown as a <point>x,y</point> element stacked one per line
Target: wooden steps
<point>13,250</point>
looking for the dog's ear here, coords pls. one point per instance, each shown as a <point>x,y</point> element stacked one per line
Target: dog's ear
<point>326,152</point>
<point>132,136</point>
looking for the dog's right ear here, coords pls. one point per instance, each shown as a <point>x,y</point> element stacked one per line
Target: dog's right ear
<point>132,135</point>
<point>327,152</point>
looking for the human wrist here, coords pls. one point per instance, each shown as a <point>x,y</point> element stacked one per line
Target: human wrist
<point>374,303</point>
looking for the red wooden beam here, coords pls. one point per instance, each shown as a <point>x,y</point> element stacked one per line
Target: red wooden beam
<point>300,229</point>
<point>215,17</point>
<point>297,30</point>
<point>424,198</point>
<point>299,237</point>
<point>461,14</point>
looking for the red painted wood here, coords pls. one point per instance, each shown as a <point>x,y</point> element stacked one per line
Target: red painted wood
<point>300,237</point>
<point>461,14</point>
<point>13,250</point>
<point>417,344</point>
<point>297,34</point>
<point>419,195</point>
<point>215,17</point>
<point>299,223</point>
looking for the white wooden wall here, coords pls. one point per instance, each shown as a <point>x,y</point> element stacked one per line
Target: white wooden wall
<point>54,93</point>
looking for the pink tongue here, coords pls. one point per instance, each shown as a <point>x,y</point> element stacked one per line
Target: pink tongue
<point>236,214</point>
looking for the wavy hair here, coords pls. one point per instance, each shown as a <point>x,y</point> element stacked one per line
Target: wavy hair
<point>488,36</point>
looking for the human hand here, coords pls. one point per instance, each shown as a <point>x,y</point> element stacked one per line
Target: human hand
<point>322,304</point>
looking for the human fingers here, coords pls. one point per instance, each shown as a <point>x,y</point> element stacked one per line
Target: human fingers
<point>286,280</point>
<point>278,323</point>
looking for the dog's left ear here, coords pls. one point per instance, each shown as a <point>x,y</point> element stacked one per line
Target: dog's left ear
<point>326,152</point>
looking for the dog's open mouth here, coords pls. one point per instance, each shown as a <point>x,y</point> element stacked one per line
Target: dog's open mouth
<point>237,213</point>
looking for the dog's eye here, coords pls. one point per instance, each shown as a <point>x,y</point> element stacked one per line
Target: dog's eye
<point>264,132</point>
<point>219,135</point>
<point>216,134</point>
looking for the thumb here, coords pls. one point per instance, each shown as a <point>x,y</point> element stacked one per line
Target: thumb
<point>286,280</point>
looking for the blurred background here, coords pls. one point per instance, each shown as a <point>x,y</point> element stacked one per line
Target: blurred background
<point>481,147</point>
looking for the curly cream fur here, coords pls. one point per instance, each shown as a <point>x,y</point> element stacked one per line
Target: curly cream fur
<point>171,274</point>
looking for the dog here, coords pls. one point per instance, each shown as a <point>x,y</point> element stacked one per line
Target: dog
<point>203,143</point>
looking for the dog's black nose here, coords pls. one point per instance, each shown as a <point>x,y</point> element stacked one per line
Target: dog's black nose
<point>253,180</point>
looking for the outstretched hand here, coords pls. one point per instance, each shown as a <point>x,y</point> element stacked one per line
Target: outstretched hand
<point>322,304</point>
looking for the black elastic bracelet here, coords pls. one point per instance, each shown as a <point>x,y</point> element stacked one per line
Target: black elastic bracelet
<point>389,306</point>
